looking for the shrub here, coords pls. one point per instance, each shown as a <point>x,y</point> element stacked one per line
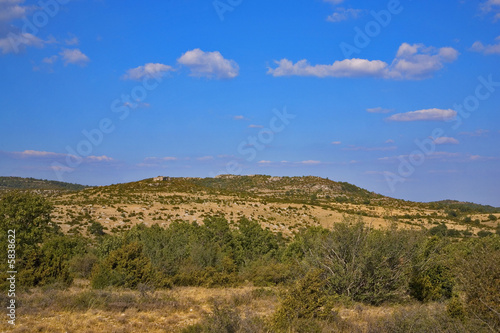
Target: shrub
<point>50,263</point>
<point>125,267</point>
<point>96,229</point>
<point>82,265</point>
<point>484,233</point>
<point>420,319</point>
<point>29,215</point>
<point>455,309</point>
<point>224,319</point>
<point>432,278</point>
<point>365,265</point>
<point>307,299</point>
<point>478,273</point>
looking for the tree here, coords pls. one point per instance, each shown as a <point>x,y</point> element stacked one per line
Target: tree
<point>432,278</point>
<point>366,265</point>
<point>255,241</point>
<point>125,267</point>
<point>478,273</point>
<point>306,299</point>
<point>29,215</point>
<point>51,262</point>
<point>96,229</point>
<point>38,261</point>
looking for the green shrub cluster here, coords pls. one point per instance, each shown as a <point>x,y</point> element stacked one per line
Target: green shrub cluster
<point>42,252</point>
<point>211,254</point>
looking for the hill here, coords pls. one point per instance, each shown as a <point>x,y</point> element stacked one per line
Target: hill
<point>281,204</point>
<point>19,183</point>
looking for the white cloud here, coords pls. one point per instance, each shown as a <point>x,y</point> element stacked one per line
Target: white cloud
<point>427,114</point>
<point>13,42</point>
<point>379,110</point>
<point>491,6</point>
<point>343,68</point>
<point>11,10</point>
<point>444,154</point>
<point>61,168</point>
<point>412,62</point>
<point>149,70</point>
<point>445,140</point>
<point>102,158</point>
<point>239,117</point>
<point>418,61</point>
<point>255,126</point>
<point>478,132</point>
<point>343,14</point>
<point>443,171</point>
<point>482,158</point>
<point>389,141</point>
<point>37,153</point>
<point>264,162</point>
<point>136,105</point>
<point>209,64</point>
<point>50,60</point>
<point>336,143</point>
<point>310,162</point>
<point>72,41</point>
<point>205,158</point>
<point>361,148</point>
<point>486,49</point>
<point>74,56</point>
<point>438,155</point>
<point>166,158</point>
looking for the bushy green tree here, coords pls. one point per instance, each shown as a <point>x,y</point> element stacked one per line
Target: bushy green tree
<point>124,267</point>
<point>50,263</point>
<point>432,278</point>
<point>477,272</point>
<point>306,299</point>
<point>29,215</point>
<point>96,229</point>
<point>42,252</point>
<point>363,264</point>
<point>255,241</point>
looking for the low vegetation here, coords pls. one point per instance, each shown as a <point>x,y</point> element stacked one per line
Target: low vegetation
<point>349,278</point>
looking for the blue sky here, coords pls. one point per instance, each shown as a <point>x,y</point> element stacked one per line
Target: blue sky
<point>399,97</point>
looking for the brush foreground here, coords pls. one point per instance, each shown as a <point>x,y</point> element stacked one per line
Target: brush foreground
<point>246,254</point>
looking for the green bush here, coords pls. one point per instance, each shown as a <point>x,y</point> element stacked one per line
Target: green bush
<point>421,319</point>
<point>366,265</point>
<point>96,229</point>
<point>477,270</point>
<point>484,233</point>
<point>432,279</point>
<point>82,265</point>
<point>42,251</point>
<point>29,215</point>
<point>455,309</point>
<point>306,299</point>
<point>125,267</point>
<point>225,319</point>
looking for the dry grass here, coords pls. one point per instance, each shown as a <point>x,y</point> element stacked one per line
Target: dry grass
<point>80,309</point>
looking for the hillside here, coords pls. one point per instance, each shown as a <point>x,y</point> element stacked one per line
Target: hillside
<point>281,204</point>
<point>19,183</point>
